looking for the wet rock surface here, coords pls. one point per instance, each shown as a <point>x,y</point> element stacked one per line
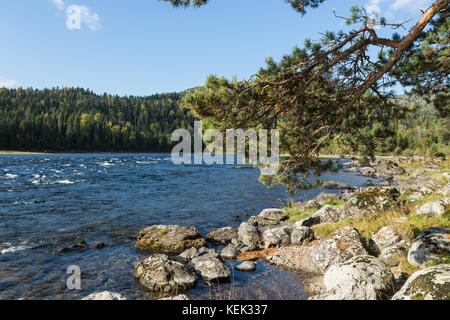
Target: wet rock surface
<point>170,239</point>
<point>160,274</point>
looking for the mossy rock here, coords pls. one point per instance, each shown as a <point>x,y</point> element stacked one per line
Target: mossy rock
<point>428,284</point>
<point>170,240</point>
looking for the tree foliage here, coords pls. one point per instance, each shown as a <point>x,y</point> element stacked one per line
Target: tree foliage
<point>332,88</point>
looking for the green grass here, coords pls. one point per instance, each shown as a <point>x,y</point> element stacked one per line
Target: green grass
<point>296,214</point>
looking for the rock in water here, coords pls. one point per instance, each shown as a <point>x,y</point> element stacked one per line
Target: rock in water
<point>169,239</point>
<point>360,278</point>
<point>247,266</point>
<point>335,185</point>
<point>249,235</point>
<point>433,244</point>
<point>211,269</point>
<point>229,252</point>
<point>222,235</point>
<point>158,273</point>
<point>428,284</point>
<point>274,215</point>
<point>277,237</point>
<point>105,295</point>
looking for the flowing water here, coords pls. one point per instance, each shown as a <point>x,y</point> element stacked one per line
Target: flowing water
<point>53,201</point>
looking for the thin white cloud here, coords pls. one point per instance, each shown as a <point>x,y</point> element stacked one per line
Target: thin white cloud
<point>77,16</point>
<point>59,4</point>
<point>413,5</point>
<point>9,84</point>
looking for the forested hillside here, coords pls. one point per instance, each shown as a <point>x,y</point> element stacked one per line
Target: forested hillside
<point>78,120</point>
<point>420,131</point>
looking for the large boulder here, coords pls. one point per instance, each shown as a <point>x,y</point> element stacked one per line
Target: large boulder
<point>368,172</point>
<point>344,245</point>
<point>316,257</point>
<point>105,295</point>
<point>302,236</point>
<point>274,215</point>
<point>211,268</point>
<point>169,239</point>
<point>431,245</point>
<point>249,235</point>
<point>222,235</point>
<point>385,237</point>
<point>277,237</point>
<point>428,284</point>
<point>159,274</point>
<point>435,208</point>
<point>360,278</point>
<point>335,185</point>
<point>295,259</point>
<point>371,201</point>
<point>325,215</point>
<point>389,169</point>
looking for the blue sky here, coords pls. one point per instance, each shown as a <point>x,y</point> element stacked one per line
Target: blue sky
<point>141,47</point>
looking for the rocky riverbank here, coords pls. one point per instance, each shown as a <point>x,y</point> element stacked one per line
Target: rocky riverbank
<point>390,241</point>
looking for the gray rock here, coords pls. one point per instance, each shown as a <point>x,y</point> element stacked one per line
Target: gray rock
<point>229,252</point>
<point>368,172</point>
<point>369,183</point>
<point>360,278</point>
<point>385,237</point>
<point>295,259</point>
<point>428,284</point>
<point>335,185</point>
<point>302,236</point>
<point>211,269</point>
<point>274,214</point>
<point>158,273</point>
<point>317,202</point>
<point>247,266</point>
<point>249,235</point>
<point>434,208</point>
<point>277,237</point>
<point>169,239</point>
<point>389,169</point>
<point>445,191</point>
<point>344,245</point>
<point>179,297</point>
<point>391,255</point>
<point>371,201</point>
<point>222,235</point>
<point>433,244</point>
<point>105,295</point>
<point>328,214</point>
<point>188,255</point>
